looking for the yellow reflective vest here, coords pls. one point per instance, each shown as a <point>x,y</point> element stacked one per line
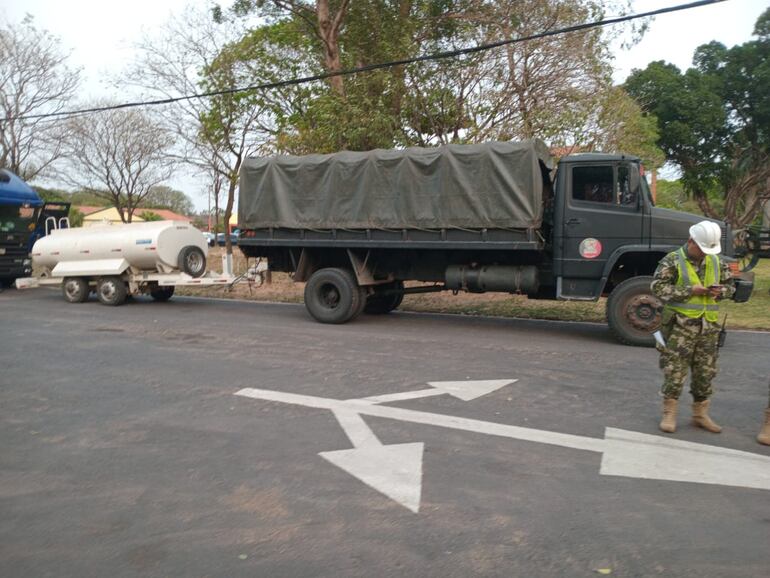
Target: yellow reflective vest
<point>697,305</point>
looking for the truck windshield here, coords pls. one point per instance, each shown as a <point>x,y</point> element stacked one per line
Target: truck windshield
<point>16,219</point>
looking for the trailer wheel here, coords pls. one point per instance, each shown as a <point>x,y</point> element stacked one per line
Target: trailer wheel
<point>634,312</point>
<point>192,261</point>
<point>162,293</point>
<point>333,296</point>
<point>385,299</point>
<point>111,290</point>
<point>75,289</point>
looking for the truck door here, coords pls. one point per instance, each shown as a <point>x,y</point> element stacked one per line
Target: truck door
<point>602,212</point>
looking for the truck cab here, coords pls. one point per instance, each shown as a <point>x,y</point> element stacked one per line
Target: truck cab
<point>608,236</point>
<point>19,211</point>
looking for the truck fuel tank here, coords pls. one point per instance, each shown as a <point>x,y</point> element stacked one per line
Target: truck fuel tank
<point>505,278</point>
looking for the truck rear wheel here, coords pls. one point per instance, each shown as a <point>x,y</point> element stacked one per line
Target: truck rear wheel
<point>111,290</point>
<point>333,296</point>
<point>385,298</point>
<point>192,261</point>
<point>75,289</point>
<point>634,312</point>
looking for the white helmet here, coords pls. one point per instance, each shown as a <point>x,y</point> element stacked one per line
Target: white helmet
<point>707,235</point>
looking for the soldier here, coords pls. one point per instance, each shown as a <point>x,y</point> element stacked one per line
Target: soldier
<point>690,281</point>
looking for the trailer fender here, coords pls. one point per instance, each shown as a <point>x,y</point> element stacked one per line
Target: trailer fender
<point>96,268</point>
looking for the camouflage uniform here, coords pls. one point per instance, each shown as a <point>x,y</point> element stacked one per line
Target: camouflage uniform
<point>691,344</point>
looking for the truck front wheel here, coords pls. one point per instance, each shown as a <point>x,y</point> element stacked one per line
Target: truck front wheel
<point>111,290</point>
<point>332,296</point>
<point>633,312</point>
<point>75,289</point>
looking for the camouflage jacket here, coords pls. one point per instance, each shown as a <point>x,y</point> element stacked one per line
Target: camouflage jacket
<point>664,284</point>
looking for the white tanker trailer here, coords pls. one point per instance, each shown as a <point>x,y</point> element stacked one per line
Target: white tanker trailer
<point>120,260</point>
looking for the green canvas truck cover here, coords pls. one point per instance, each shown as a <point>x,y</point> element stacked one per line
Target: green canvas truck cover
<point>490,185</point>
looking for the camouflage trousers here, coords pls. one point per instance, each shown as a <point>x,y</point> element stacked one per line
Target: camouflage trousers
<point>690,346</point>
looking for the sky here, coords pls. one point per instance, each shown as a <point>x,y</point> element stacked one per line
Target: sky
<point>101,33</point>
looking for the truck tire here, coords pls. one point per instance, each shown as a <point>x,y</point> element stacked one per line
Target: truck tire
<point>192,261</point>
<point>162,293</point>
<point>634,312</point>
<point>333,296</point>
<point>380,302</point>
<point>111,290</point>
<point>75,289</point>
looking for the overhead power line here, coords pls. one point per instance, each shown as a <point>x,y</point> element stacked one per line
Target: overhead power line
<point>371,67</point>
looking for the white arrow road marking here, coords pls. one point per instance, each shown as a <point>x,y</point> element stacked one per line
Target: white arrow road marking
<point>638,455</point>
<point>465,390</point>
<point>625,453</point>
<point>394,470</point>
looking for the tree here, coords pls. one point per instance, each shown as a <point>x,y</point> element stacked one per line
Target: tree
<point>118,155</point>
<point>214,134</point>
<point>548,88</point>
<point>164,197</point>
<point>714,123</point>
<point>34,80</point>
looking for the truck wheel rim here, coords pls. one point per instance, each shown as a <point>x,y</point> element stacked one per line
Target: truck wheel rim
<point>644,312</point>
<point>194,262</point>
<point>108,290</point>
<point>330,296</point>
<point>72,289</point>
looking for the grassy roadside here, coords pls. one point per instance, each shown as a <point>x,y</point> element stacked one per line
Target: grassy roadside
<point>752,315</point>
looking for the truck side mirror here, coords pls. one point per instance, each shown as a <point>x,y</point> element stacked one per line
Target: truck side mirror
<point>634,180</point>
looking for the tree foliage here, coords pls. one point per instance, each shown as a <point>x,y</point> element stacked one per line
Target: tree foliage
<point>714,123</point>
<point>165,197</point>
<point>558,89</point>
<point>34,80</point>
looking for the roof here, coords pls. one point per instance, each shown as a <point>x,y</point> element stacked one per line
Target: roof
<point>14,191</point>
<point>86,210</point>
<point>165,213</point>
<point>95,213</point>
<point>107,214</point>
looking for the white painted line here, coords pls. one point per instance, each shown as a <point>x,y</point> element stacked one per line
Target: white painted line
<point>637,455</point>
<point>355,428</point>
<point>625,453</point>
<point>464,390</point>
<point>434,419</point>
<point>404,395</point>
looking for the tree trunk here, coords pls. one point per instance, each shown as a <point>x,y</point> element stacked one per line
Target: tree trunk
<point>329,28</point>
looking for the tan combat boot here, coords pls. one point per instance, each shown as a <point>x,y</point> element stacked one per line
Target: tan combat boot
<point>764,434</point>
<point>700,416</point>
<point>668,423</point>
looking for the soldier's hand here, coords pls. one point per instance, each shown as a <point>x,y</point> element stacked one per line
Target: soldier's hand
<point>699,290</point>
<point>715,291</point>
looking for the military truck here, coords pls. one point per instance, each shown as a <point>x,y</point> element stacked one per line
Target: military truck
<point>499,216</point>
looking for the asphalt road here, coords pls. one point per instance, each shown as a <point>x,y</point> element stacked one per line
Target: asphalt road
<point>125,451</point>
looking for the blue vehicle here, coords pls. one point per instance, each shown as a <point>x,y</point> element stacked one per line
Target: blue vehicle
<point>234,236</point>
<point>20,209</point>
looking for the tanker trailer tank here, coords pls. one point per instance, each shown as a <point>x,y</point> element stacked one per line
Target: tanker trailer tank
<point>158,246</point>
<point>115,261</point>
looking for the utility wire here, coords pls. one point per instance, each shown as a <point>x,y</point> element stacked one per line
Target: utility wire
<point>378,66</point>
